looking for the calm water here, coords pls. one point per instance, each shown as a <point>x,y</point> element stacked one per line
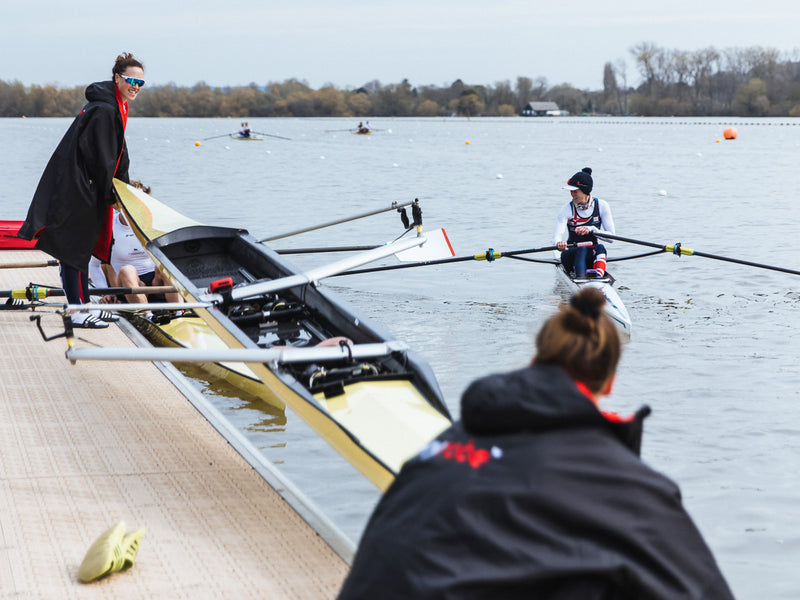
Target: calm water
<point>715,345</point>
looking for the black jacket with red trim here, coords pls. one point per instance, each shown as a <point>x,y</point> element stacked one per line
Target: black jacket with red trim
<point>533,494</point>
<point>70,207</point>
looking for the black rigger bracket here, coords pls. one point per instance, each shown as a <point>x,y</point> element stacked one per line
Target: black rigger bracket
<point>68,332</point>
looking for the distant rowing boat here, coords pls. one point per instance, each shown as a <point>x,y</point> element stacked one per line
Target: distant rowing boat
<point>246,138</point>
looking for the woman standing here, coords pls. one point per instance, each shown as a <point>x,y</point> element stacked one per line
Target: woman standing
<point>537,493</point>
<point>70,214</point>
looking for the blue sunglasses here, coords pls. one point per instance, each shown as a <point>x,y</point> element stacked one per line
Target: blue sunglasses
<point>132,80</point>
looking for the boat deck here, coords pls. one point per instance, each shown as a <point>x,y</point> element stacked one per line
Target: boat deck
<point>83,446</point>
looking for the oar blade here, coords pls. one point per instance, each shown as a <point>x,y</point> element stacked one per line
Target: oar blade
<point>329,270</point>
<point>436,248</point>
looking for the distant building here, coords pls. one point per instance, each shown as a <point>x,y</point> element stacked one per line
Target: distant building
<point>541,109</point>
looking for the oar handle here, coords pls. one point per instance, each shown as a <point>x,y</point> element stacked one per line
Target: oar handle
<point>612,236</point>
<point>548,248</point>
<point>32,292</point>
<point>30,265</point>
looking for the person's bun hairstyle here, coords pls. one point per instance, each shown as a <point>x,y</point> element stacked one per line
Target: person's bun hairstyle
<point>581,339</point>
<point>123,61</point>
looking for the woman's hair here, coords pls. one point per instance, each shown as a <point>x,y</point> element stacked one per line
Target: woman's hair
<point>138,184</point>
<point>581,339</point>
<point>125,60</point>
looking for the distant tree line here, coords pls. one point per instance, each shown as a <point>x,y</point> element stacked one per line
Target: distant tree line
<point>747,82</point>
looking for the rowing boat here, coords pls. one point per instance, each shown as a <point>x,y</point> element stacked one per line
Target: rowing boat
<point>9,239</point>
<point>614,306</point>
<point>246,138</point>
<point>190,331</point>
<point>376,402</point>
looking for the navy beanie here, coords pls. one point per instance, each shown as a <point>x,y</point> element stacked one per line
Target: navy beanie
<point>582,180</point>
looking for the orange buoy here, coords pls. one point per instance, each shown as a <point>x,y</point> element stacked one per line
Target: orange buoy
<point>730,133</point>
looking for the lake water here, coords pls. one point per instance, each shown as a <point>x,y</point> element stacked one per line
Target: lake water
<point>715,345</point>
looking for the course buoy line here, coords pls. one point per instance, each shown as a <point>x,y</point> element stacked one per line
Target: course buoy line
<point>670,121</point>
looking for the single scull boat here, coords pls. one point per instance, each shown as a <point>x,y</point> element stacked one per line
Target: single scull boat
<point>614,307</point>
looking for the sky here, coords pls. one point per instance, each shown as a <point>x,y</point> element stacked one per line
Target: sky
<point>350,43</point>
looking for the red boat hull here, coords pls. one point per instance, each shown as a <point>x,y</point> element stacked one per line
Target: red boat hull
<point>9,239</point>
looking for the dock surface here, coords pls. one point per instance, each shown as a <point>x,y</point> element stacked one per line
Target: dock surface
<point>84,446</point>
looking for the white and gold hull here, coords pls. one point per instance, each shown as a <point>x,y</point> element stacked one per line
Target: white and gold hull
<point>376,412</point>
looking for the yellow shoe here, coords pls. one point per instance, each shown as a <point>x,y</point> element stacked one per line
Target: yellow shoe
<point>130,546</point>
<point>104,556</point>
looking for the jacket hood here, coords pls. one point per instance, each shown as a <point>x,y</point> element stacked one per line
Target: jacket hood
<point>537,398</point>
<point>101,91</point>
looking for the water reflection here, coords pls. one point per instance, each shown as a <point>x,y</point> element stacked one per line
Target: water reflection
<point>245,410</point>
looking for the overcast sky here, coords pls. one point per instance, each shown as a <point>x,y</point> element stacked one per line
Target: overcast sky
<point>236,42</point>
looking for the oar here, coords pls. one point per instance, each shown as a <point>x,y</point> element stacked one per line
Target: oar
<point>252,355</point>
<point>38,292</point>
<point>394,206</point>
<point>438,246</point>
<point>264,287</point>
<point>280,137</point>
<point>490,255</point>
<point>29,265</point>
<point>135,306</point>
<point>213,137</point>
<point>152,289</point>
<point>680,250</point>
<point>326,249</point>
<point>32,292</point>
<point>315,274</point>
<point>335,130</point>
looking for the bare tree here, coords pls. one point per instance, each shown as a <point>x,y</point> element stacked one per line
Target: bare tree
<point>501,94</point>
<point>621,70</point>
<point>524,89</point>
<point>646,55</point>
<point>610,89</point>
<point>702,64</point>
<point>680,67</point>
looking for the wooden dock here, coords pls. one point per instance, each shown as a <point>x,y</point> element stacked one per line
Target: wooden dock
<point>83,446</point>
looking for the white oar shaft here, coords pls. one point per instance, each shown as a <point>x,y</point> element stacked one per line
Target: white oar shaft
<point>147,290</point>
<point>133,306</point>
<point>394,206</point>
<point>265,287</point>
<point>244,355</point>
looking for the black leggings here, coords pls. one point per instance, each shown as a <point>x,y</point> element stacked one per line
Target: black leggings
<point>76,284</point>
